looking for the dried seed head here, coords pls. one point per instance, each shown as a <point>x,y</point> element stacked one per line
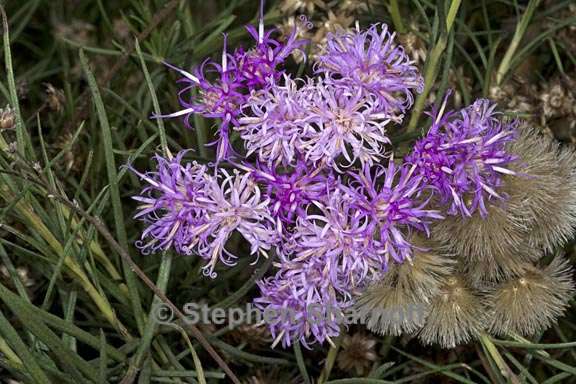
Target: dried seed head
<point>54,98</point>
<point>539,212</point>
<point>356,6</point>
<point>307,6</point>
<point>357,354</point>
<point>490,248</point>
<point>533,301</point>
<point>456,315</point>
<point>544,197</point>
<point>398,303</point>
<point>7,118</point>
<point>413,43</point>
<point>334,22</point>
<point>253,335</point>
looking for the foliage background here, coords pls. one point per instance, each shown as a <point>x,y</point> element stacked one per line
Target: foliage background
<point>84,76</point>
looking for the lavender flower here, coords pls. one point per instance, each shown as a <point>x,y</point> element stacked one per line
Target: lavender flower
<point>347,123</point>
<point>195,212</point>
<point>301,306</point>
<point>169,204</point>
<point>372,61</point>
<point>337,234</point>
<point>237,76</point>
<point>291,191</point>
<point>464,156</point>
<point>233,204</point>
<point>275,121</point>
<point>258,66</point>
<point>391,199</point>
<point>221,99</point>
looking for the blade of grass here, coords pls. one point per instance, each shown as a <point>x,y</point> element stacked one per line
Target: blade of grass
<point>160,122</point>
<point>431,68</point>
<point>516,39</point>
<point>23,352</point>
<point>152,324</point>
<point>493,352</point>
<point>114,189</point>
<point>20,137</point>
<point>330,360</point>
<point>301,363</point>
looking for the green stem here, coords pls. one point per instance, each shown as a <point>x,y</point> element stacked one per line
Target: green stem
<point>431,70</point>
<point>396,16</point>
<point>505,370</point>
<point>330,360</point>
<point>515,43</point>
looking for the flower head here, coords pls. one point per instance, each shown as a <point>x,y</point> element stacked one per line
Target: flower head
<point>306,307</point>
<point>169,204</point>
<point>347,124</point>
<point>258,66</point>
<point>220,98</point>
<point>465,157</point>
<point>195,212</point>
<point>275,121</point>
<point>373,62</point>
<point>292,189</point>
<point>233,203</point>
<point>335,234</point>
<point>391,199</point>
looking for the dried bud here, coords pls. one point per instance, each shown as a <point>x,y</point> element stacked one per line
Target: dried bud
<point>545,197</point>
<point>533,301</point>
<point>55,98</point>
<point>456,315</point>
<point>398,303</point>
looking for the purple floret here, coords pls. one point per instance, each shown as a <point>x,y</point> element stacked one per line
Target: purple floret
<point>301,306</point>
<point>275,122</point>
<point>335,231</point>
<point>259,66</point>
<point>464,157</point>
<point>392,199</point>
<point>169,204</point>
<point>292,189</point>
<point>347,125</point>
<point>197,213</point>
<point>372,61</point>
<point>224,88</point>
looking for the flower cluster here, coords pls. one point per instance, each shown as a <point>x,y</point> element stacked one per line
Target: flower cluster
<point>317,187</point>
<point>224,88</point>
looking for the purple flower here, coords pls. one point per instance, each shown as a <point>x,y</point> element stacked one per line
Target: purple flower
<point>348,124</point>
<point>335,233</point>
<point>258,66</point>
<point>300,306</point>
<point>275,121</point>
<point>233,203</point>
<point>196,213</point>
<point>292,190</point>
<point>372,61</point>
<point>169,204</point>
<point>221,98</point>
<point>391,198</point>
<point>464,156</point>
<point>234,79</point>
